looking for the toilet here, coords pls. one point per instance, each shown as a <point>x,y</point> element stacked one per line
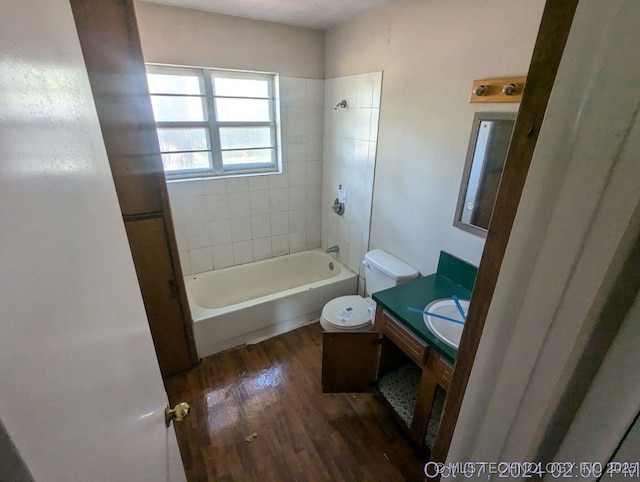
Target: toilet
<point>353,312</point>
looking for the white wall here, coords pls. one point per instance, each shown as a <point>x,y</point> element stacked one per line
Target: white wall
<point>181,36</point>
<point>226,222</point>
<point>430,52</point>
<point>350,136</point>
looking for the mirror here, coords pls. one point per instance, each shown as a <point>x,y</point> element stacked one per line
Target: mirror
<point>488,145</point>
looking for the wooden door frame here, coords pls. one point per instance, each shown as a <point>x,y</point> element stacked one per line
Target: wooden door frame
<point>555,24</point>
<point>123,50</point>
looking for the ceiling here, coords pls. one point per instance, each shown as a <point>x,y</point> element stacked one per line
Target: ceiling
<point>318,14</point>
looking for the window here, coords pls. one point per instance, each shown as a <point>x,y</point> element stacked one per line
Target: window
<point>214,122</point>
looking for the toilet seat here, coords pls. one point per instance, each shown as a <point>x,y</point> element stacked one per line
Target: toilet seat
<point>347,313</point>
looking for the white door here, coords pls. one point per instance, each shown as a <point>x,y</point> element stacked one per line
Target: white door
<point>81,395</point>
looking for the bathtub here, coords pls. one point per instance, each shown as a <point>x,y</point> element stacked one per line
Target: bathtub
<point>248,303</point>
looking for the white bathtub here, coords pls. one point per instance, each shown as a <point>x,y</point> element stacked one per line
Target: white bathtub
<point>252,302</point>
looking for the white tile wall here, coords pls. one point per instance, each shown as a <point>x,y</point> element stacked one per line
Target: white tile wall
<point>201,259</point>
<point>239,205</point>
<point>223,256</point>
<point>257,183</point>
<point>350,142</point>
<point>297,241</point>
<point>243,252</point>
<point>241,229</point>
<point>279,200</point>
<point>297,220</point>
<point>261,226</point>
<point>279,223</point>
<point>261,248</point>
<point>259,202</point>
<point>220,232</point>
<point>225,222</point>
<point>280,244</point>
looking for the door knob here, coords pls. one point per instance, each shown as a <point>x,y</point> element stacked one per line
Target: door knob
<point>178,413</point>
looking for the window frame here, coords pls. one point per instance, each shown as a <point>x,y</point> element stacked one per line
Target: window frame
<point>212,125</point>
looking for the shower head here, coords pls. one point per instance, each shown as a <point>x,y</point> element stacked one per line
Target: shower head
<point>342,104</point>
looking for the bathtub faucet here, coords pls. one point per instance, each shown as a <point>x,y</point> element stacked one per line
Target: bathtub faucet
<point>333,249</point>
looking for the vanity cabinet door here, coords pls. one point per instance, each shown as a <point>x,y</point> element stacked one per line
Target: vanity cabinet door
<point>350,361</point>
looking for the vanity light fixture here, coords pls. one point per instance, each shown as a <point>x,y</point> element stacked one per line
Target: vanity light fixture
<point>509,89</point>
<point>504,89</point>
<point>480,90</point>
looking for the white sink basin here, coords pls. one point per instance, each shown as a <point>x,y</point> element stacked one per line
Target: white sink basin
<point>447,331</point>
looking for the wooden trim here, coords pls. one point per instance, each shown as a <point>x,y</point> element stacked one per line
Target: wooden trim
<point>410,344</point>
<point>552,36</point>
<point>493,90</point>
<point>424,402</point>
<point>443,373</point>
<point>187,321</point>
<point>112,52</point>
<point>130,218</point>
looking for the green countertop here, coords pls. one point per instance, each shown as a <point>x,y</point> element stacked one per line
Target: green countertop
<point>418,294</point>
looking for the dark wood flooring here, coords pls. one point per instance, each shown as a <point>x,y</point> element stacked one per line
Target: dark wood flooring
<point>273,389</point>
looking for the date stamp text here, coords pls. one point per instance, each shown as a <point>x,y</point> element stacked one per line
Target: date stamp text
<point>513,470</point>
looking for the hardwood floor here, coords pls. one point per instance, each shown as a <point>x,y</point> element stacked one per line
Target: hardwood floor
<point>273,389</point>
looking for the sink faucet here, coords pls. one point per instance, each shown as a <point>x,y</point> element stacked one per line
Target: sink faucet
<point>333,249</point>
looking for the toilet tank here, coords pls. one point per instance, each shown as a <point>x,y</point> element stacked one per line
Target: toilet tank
<point>383,270</point>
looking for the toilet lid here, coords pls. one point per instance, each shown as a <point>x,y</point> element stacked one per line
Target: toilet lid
<point>348,312</point>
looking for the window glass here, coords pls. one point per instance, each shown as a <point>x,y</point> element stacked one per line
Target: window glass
<point>226,126</point>
<point>168,108</point>
<point>172,140</point>
<point>242,110</point>
<point>178,83</point>
<point>186,161</point>
<point>240,87</point>
<point>247,137</point>
<point>253,156</point>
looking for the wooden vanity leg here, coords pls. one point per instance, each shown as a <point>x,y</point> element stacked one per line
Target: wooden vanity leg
<point>378,321</point>
<point>426,394</point>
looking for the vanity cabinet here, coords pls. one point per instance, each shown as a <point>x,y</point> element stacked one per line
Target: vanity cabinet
<point>401,359</point>
<point>408,375</point>
<point>426,366</point>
